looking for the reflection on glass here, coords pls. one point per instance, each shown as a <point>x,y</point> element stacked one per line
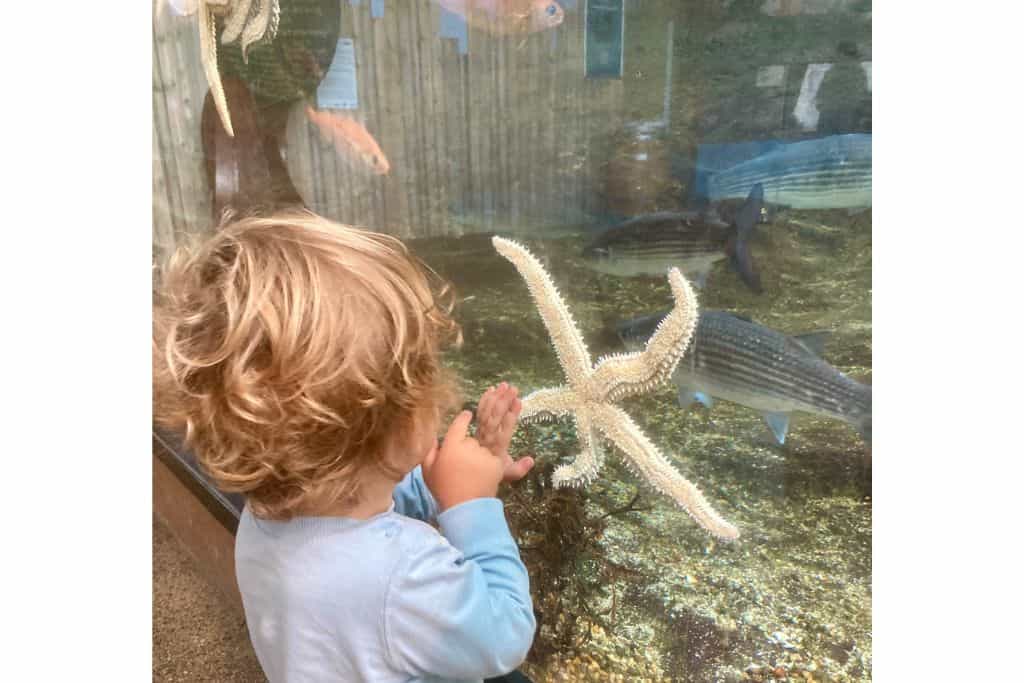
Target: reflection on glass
<point>615,140</point>
<point>507,17</point>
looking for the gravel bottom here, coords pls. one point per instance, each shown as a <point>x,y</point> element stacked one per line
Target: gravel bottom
<point>197,634</point>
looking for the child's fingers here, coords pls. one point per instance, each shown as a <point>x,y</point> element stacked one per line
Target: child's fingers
<point>501,401</point>
<point>460,425</point>
<point>493,403</point>
<point>486,408</point>
<point>508,422</point>
<point>428,462</point>
<point>502,405</point>
<point>518,469</point>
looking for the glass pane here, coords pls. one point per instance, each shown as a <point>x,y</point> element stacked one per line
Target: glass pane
<point>614,140</point>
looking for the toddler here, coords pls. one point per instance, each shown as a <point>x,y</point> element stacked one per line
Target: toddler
<point>301,359</point>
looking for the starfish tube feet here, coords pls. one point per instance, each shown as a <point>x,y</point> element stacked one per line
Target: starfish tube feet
<point>645,458</point>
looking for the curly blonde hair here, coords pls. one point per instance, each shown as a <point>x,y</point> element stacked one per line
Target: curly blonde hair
<point>293,353</point>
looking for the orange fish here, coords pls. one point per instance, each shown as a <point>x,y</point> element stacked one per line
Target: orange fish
<point>507,17</point>
<point>349,138</point>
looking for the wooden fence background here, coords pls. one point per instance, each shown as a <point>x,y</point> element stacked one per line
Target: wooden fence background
<point>509,136</point>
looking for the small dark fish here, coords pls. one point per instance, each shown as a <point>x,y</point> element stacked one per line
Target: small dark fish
<point>691,241</point>
<point>738,360</point>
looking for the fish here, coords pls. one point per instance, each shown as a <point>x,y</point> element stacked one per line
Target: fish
<point>690,240</point>
<point>736,359</point>
<point>507,17</point>
<point>349,138</point>
<point>833,172</point>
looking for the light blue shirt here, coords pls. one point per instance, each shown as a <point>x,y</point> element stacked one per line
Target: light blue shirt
<point>387,598</point>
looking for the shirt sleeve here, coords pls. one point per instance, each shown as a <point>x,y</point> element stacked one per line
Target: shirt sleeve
<point>413,498</point>
<point>459,606</point>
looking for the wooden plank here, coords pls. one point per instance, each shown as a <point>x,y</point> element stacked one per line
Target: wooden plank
<point>494,185</point>
<point>480,95</point>
<point>532,126</point>
<point>430,47</point>
<point>171,201</point>
<point>402,79</point>
<point>551,204</point>
<point>455,148</point>
<point>387,72</point>
<point>570,75</point>
<point>422,115</point>
<point>163,226</point>
<point>348,174</point>
<point>566,153</point>
<point>372,202</point>
<point>510,86</point>
<point>426,45</point>
<point>414,110</point>
<point>468,187</point>
<point>185,89</point>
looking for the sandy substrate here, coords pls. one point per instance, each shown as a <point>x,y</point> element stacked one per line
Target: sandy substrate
<point>197,634</point>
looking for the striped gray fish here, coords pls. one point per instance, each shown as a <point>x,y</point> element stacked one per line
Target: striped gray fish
<point>824,173</point>
<point>692,241</point>
<point>738,360</point>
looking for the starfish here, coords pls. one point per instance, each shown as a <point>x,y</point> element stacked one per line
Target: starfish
<point>593,389</point>
<point>207,11</point>
<point>265,20</point>
<point>252,20</point>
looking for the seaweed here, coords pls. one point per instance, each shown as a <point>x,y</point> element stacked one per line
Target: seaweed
<point>570,571</point>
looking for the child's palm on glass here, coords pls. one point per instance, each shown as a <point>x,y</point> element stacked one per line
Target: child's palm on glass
<point>496,417</point>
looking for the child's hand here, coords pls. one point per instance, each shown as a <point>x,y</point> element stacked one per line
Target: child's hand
<point>461,469</point>
<point>496,417</point>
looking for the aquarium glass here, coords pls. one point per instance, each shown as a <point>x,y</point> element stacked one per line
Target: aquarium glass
<point>614,140</point>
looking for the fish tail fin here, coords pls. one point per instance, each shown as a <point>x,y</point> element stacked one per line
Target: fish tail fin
<point>738,247</point>
<point>864,427</point>
<point>864,422</point>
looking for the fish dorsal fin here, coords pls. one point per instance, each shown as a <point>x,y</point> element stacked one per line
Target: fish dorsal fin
<point>779,424</point>
<point>814,342</point>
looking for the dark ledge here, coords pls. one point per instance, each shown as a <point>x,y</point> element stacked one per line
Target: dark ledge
<point>225,507</point>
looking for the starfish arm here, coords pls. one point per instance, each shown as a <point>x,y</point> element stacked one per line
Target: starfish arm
<point>629,374</point>
<point>208,55</point>
<point>235,21</point>
<point>585,467</point>
<point>264,25</point>
<point>647,461</point>
<point>275,19</point>
<point>547,403</point>
<point>566,338</point>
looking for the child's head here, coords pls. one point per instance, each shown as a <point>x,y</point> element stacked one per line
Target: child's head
<point>297,355</point>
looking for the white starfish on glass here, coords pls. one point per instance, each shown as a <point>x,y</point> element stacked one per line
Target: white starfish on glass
<point>592,390</point>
